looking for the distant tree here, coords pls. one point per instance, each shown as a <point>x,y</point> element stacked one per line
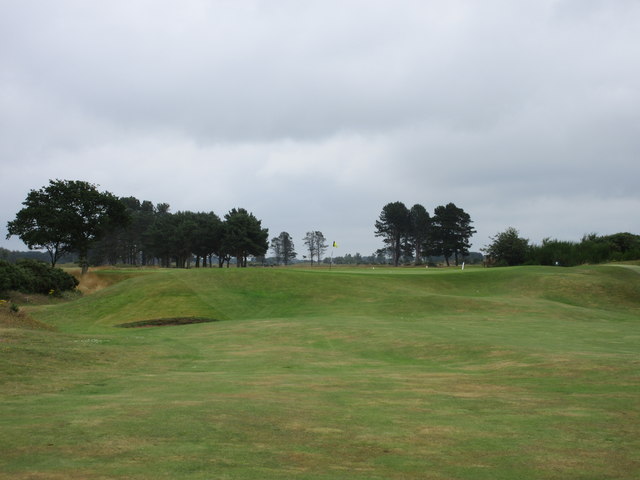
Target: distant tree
<point>288,248</point>
<point>162,208</point>
<point>321,245</point>
<point>316,245</point>
<point>380,256</point>
<point>420,227</point>
<point>208,237</point>
<point>310,242</point>
<point>184,237</point>
<point>394,226</point>
<point>556,252</point>
<point>67,216</point>
<point>223,250</point>
<point>623,242</point>
<point>283,248</point>
<point>508,248</point>
<point>276,248</point>
<point>591,249</point>
<point>156,238</point>
<point>173,236</point>
<point>451,232</point>
<point>126,243</point>
<point>244,236</point>
<point>349,259</point>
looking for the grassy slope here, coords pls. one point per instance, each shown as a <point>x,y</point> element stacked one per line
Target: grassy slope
<point>501,373</point>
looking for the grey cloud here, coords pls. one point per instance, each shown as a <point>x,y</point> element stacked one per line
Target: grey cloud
<point>508,109</point>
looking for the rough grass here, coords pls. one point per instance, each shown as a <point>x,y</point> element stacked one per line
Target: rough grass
<point>350,373</point>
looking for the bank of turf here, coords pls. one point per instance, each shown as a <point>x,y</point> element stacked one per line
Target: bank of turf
<point>525,372</point>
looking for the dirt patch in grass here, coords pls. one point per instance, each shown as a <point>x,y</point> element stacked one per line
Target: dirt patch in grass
<point>166,322</point>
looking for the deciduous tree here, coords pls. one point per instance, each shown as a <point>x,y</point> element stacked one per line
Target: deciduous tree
<point>67,216</point>
<point>508,248</point>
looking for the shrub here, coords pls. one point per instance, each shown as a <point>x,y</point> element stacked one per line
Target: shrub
<point>32,276</point>
<point>11,278</point>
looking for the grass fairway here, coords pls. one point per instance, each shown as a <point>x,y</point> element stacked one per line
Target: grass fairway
<point>528,372</point>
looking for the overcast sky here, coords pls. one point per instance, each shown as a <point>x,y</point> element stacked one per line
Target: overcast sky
<point>315,114</point>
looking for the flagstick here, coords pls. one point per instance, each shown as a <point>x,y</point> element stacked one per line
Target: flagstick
<point>334,245</point>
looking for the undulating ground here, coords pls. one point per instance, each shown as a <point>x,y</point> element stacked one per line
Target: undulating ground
<point>505,373</point>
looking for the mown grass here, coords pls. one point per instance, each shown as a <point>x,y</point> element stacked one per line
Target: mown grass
<point>508,373</point>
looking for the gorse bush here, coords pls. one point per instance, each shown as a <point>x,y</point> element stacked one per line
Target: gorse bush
<point>508,248</point>
<point>32,276</point>
<point>591,249</point>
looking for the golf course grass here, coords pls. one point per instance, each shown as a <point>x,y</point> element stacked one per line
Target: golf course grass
<point>359,373</point>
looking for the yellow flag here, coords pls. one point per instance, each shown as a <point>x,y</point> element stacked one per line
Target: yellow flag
<point>335,245</point>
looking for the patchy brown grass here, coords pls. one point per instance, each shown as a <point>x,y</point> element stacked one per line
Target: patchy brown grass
<point>19,319</point>
<point>20,298</point>
<point>91,282</point>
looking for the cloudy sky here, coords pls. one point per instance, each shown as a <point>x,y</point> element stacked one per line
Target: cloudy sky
<point>314,114</point>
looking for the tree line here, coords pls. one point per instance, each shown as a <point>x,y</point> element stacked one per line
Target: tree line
<point>73,217</point>
<point>69,216</point>
<point>154,235</point>
<point>412,235</point>
<point>508,248</point>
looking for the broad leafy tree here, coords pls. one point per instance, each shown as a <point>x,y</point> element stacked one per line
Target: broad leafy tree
<point>67,216</point>
<point>394,226</point>
<point>508,248</point>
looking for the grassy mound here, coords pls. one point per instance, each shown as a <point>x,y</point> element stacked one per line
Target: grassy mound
<point>19,319</point>
<point>527,372</point>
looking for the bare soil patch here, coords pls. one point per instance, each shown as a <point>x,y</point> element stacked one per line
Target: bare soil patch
<point>166,322</point>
